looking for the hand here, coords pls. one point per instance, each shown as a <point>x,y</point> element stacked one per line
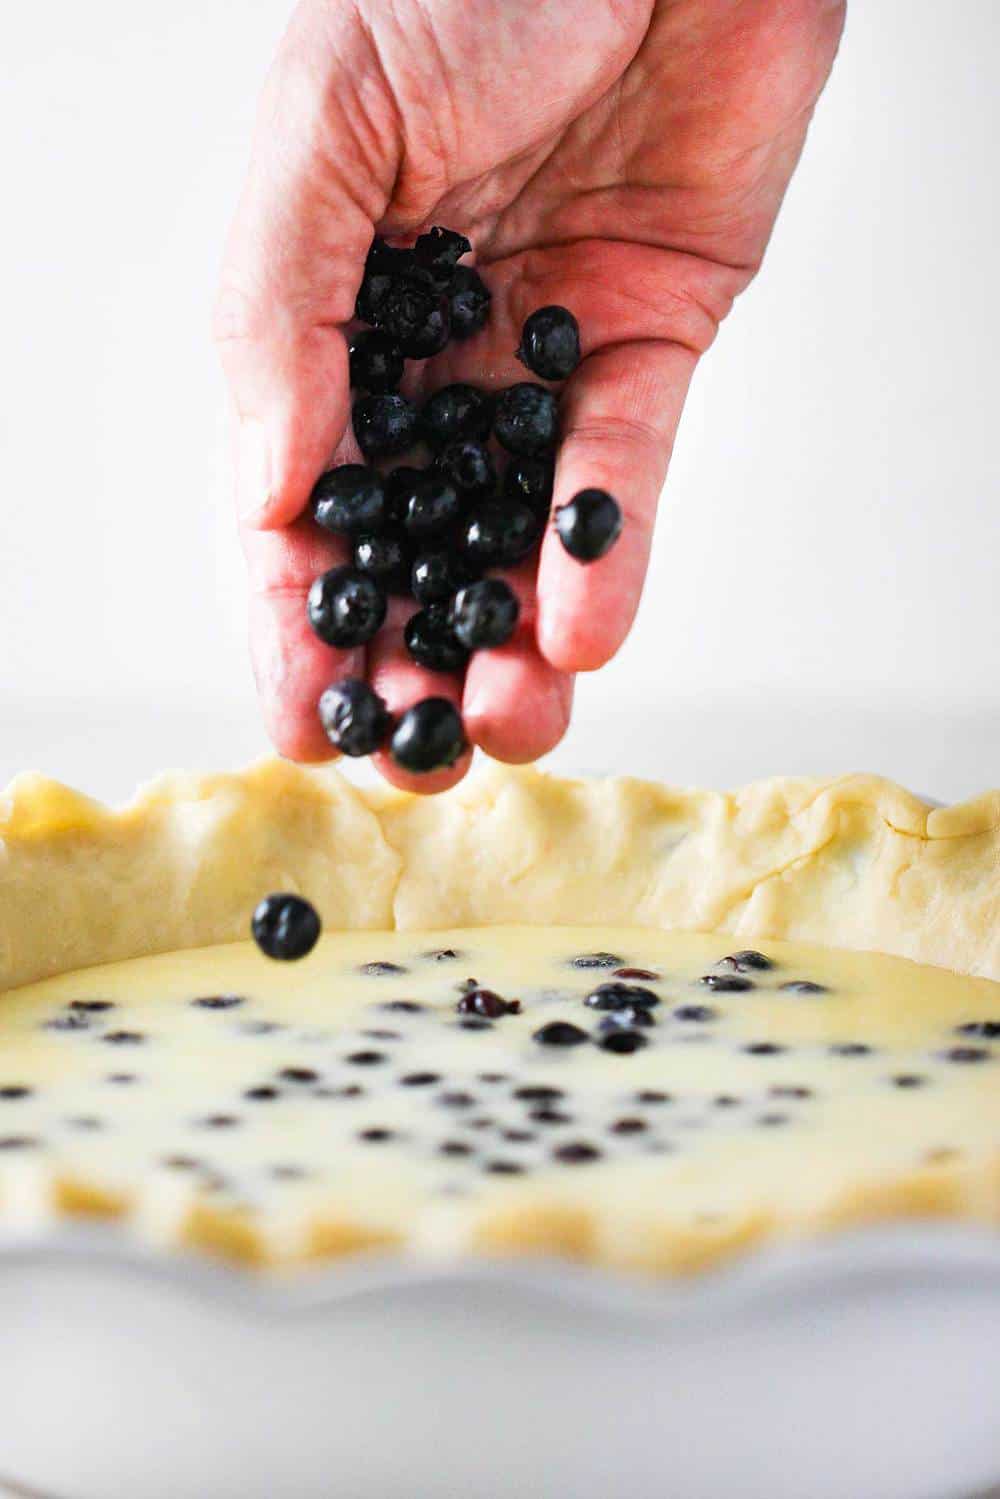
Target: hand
<point>625,158</point>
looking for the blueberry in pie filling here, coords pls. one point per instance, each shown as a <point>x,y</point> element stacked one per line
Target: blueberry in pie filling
<point>586,1094</point>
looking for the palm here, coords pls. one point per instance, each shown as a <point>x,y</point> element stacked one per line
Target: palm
<point>625,158</point>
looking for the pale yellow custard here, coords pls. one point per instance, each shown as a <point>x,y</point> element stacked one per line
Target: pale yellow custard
<point>316,1108</point>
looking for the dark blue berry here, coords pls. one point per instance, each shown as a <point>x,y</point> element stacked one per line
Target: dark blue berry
<point>633,1017</point>
<point>560,1033</point>
<point>469,465</point>
<point>748,958</point>
<point>529,480</point>
<point>355,718</point>
<point>618,996</point>
<point>589,525</point>
<point>385,557</point>
<point>622,1041</point>
<point>696,1013</point>
<point>436,577</point>
<point>429,736</point>
<point>432,642</point>
<point>285,927</point>
<point>527,419</point>
<point>346,607</point>
<point>349,499</point>
<point>484,614</point>
<point>803,986</point>
<point>376,362</point>
<point>469,300</point>
<point>455,412</point>
<point>550,343</point>
<point>576,1153</point>
<point>418,317</point>
<point>439,251</point>
<point>726,983</point>
<point>596,960</point>
<point>967,1055</point>
<point>498,534</point>
<point>399,485</point>
<point>384,425</point>
<point>218,1001</point>
<point>486,1003</point>
<point>431,505</point>
<point>988,1030</point>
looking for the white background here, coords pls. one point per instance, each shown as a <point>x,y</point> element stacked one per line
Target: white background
<point>825,581</point>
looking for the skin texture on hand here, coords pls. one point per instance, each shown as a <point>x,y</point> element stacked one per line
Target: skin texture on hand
<point>625,158</point>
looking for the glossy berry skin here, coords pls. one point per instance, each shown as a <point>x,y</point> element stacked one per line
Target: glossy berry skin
<point>385,268</point>
<point>345,607</point>
<point>355,718</point>
<point>439,251</point>
<point>499,534</point>
<point>529,480</point>
<point>470,467</point>
<point>349,499</point>
<point>418,317</point>
<point>527,420</point>
<point>376,362</point>
<point>436,577</point>
<point>484,614</point>
<point>285,927</point>
<point>431,505</point>
<point>550,343</point>
<point>384,425</point>
<point>385,557</point>
<point>456,411</point>
<point>469,299</point>
<point>429,736</point>
<point>399,485</point>
<point>589,525</point>
<point>432,642</point>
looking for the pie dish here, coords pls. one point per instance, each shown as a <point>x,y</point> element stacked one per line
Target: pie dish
<point>810,969</point>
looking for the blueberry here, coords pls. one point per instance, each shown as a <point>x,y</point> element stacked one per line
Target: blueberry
<point>439,252</point>
<point>698,1014</point>
<point>589,525</point>
<point>384,425</point>
<point>436,577</point>
<point>560,1033</point>
<point>967,1054</point>
<point>803,986</point>
<point>596,960</point>
<point>988,1030</point>
<point>576,1153</point>
<point>550,343</point>
<point>385,267</point>
<point>432,642</point>
<point>529,480</point>
<point>633,1017</point>
<point>726,983</point>
<point>385,557</point>
<point>346,607</point>
<point>355,718</point>
<point>486,1003</point>
<point>418,317</point>
<point>470,467</point>
<point>429,736</point>
<point>484,614</point>
<point>399,485</point>
<point>498,535</point>
<point>748,958</point>
<point>218,1001</point>
<point>619,996</point>
<point>285,927</point>
<point>622,1041</point>
<point>431,506</point>
<point>376,362</point>
<point>455,412</point>
<point>349,499</point>
<point>527,420</point>
<point>469,299</point>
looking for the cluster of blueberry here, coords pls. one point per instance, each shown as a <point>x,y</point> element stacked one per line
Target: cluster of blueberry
<point>435,532</point>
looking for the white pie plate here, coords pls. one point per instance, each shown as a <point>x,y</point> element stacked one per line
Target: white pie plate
<point>863,1367</point>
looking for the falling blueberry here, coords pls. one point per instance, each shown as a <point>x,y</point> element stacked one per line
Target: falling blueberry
<point>346,607</point>
<point>285,927</point>
<point>484,614</point>
<point>550,343</point>
<point>589,525</point>
<point>429,736</point>
<point>354,717</point>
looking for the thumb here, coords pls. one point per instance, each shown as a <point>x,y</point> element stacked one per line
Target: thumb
<point>293,263</point>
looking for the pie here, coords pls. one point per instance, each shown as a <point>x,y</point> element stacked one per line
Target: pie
<point>605,1020</point>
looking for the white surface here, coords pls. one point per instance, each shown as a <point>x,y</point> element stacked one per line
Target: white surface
<point>832,525</point>
<point>865,1366</point>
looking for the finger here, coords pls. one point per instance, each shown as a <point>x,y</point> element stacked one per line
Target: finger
<point>619,417</point>
<point>398,679</point>
<point>516,705</point>
<point>292,665</point>
<point>292,267</point>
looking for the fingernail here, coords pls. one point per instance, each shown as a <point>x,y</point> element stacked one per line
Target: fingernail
<point>253,479</point>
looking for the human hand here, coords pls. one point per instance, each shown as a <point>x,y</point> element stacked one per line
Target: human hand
<point>623,158</point>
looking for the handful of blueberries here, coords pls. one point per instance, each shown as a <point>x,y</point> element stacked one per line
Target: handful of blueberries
<point>437,531</point>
